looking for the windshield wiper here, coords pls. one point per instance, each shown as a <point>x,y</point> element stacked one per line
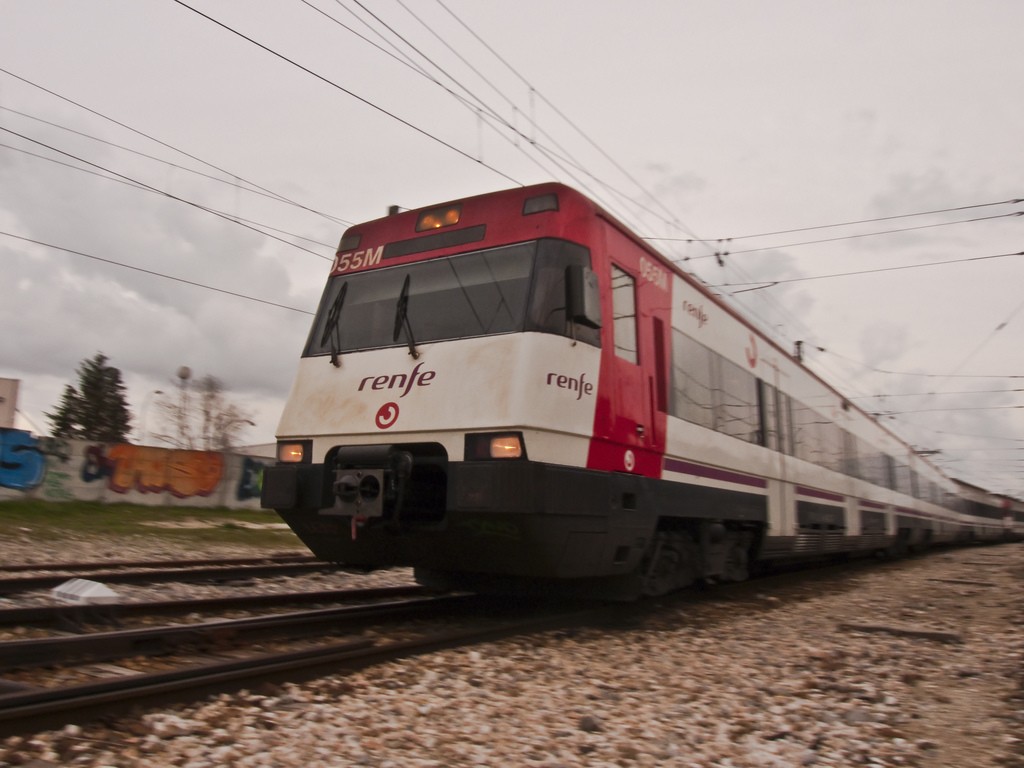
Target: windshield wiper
<point>402,319</point>
<point>331,329</point>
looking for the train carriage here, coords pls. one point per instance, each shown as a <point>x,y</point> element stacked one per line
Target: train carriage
<point>514,389</point>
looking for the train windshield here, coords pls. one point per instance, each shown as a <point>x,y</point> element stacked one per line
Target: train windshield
<point>500,290</point>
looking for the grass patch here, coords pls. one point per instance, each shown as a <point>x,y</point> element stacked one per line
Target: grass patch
<point>62,519</point>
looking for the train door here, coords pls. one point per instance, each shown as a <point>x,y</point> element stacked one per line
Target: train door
<point>634,367</point>
<point>631,416</point>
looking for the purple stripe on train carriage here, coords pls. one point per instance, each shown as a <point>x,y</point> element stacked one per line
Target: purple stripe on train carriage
<point>713,473</point>
<point>871,504</point>
<point>816,494</point>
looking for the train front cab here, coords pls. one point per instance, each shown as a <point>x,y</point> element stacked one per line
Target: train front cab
<point>469,523</point>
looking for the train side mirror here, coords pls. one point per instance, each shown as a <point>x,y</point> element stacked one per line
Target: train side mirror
<point>582,296</point>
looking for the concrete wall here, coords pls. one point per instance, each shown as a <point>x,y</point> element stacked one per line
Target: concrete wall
<point>65,470</point>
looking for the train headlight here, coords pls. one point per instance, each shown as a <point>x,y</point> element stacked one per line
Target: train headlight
<point>506,447</point>
<point>490,445</point>
<point>436,218</point>
<point>294,453</point>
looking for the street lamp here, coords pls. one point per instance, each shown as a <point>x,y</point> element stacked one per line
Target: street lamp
<point>184,436</point>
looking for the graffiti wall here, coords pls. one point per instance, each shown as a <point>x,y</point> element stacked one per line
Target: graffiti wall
<point>62,470</point>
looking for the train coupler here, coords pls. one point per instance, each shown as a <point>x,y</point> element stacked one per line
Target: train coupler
<point>371,486</point>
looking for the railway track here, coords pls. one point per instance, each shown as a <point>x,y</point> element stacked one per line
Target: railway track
<point>75,616</point>
<point>100,565</point>
<point>160,571</point>
<point>25,708</point>
<point>221,633</point>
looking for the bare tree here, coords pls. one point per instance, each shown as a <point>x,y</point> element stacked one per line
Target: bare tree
<point>202,417</point>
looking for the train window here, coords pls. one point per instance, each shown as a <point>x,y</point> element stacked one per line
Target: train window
<point>851,456</point>
<point>903,481</point>
<point>624,314</point>
<point>692,398</point>
<point>768,397</point>
<point>890,471</point>
<point>872,464</point>
<point>547,301</point>
<point>498,290</point>
<point>807,434</point>
<point>785,423</point>
<point>832,447</point>
<point>736,410</point>
<point>660,366</point>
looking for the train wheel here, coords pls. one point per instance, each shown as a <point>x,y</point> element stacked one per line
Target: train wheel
<point>737,560</point>
<point>673,563</point>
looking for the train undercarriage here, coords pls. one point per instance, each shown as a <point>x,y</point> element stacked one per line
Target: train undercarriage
<point>515,526</point>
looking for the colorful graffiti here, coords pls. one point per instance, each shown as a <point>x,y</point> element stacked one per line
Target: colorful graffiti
<point>153,470</point>
<point>22,464</point>
<point>60,470</point>
<point>250,486</point>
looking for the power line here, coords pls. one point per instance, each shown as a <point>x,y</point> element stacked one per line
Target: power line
<point>232,182</point>
<point>673,220</point>
<point>347,92</point>
<point>772,283</point>
<point>170,146</point>
<point>135,185</point>
<point>484,112</point>
<point>972,408</point>
<point>720,254</point>
<point>165,194</point>
<point>867,367</point>
<point>926,394</point>
<point>986,340</point>
<point>561,160</point>
<point>568,165</point>
<point>156,274</point>
<point>1013,201</point>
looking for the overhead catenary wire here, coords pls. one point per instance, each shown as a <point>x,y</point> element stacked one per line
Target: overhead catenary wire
<point>1012,201</point>
<point>771,283</point>
<point>948,392</point>
<point>155,274</point>
<point>229,182</point>
<point>867,367</point>
<point>673,220</point>
<point>149,137</point>
<point>974,353</point>
<point>487,114</point>
<point>135,185</point>
<point>361,99</point>
<point>165,194</point>
<point>566,163</point>
<point>720,254</point>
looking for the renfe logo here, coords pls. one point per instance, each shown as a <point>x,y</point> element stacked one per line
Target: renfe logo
<point>402,381</point>
<point>580,386</point>
<point>696,311</point>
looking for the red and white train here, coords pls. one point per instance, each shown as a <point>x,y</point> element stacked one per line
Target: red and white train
<point>513,390</point>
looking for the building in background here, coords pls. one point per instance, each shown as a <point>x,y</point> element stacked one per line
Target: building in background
<point>8,402</point>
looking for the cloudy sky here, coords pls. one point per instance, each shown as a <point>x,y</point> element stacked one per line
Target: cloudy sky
<point>228,144</point>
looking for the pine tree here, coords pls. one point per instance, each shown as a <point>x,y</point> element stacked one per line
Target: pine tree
<point>97,409</point>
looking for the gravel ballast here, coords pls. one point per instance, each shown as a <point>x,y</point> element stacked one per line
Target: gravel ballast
<point>912,663</point>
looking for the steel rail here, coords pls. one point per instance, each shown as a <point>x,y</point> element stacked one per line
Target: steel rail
<point>153,641</point>
<point>28,583</point>
<point>29,711</point>
<point>96,565</point>
<point>73,615</point>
